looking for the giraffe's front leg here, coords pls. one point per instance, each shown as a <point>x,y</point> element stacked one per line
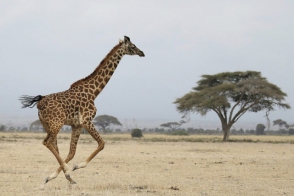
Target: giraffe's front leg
<point>94,133</point>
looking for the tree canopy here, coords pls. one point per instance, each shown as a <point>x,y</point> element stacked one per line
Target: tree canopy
<point>171,125</point>
<point>36,123</point>
<point>104,121</point>
<point>282,123</point>
<point>230,95</point>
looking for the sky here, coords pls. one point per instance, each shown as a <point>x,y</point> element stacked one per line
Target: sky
<point>48,45</point>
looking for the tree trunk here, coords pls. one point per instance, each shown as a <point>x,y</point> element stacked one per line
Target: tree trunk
<point>226,131</point>
<point>226,135</point>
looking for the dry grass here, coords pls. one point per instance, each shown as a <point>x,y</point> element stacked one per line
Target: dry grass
<point>141,167</point>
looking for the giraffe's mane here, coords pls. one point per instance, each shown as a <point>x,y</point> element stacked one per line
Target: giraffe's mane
<point>102,63</point>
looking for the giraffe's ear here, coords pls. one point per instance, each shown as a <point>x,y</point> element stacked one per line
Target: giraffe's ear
<point>127,39</point>
<point>121,41</point>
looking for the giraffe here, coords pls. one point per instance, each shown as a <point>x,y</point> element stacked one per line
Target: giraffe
<point>75,107</point>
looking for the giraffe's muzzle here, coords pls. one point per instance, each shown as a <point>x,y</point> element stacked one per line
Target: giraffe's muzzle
<point>141,54</point>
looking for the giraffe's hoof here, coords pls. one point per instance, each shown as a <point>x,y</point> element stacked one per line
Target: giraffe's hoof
<point>51,177</point>
<point>75,167</point>
<point>70,179</point>
<point>73,182</point>
<point>79,166</point>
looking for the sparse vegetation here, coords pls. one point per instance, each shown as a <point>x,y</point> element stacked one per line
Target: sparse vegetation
<point>26,136</point>
<point>168,167</point>
<point>179,132</point>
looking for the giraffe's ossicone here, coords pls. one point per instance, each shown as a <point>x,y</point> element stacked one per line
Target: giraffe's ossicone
<point>75,107</point>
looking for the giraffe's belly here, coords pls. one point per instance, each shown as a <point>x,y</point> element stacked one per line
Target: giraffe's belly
<point>74,120</point>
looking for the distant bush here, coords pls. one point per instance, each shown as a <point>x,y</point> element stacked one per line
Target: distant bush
<point>260,129</point>
<point>157,130</point>
<point>136,133</point>
<point>84,131</point>
<point>2,127</point>
<point>179,132</point>
<point>24,129</point>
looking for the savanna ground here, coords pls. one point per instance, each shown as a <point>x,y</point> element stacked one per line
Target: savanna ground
<point>153,165</point>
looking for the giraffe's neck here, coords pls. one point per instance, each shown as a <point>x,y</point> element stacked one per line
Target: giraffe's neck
<point>95,82</point>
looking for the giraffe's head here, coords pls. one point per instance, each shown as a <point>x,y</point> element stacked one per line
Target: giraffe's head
<point>131,48</point>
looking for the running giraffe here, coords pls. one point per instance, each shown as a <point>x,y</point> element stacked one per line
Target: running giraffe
<point>75,107</point>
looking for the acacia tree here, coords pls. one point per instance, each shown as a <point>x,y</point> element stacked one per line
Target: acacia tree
<point>36,124</point>
<point>105,121</point>
<point>230,95</point>
<point>282,123</point>
<point>171,125</point>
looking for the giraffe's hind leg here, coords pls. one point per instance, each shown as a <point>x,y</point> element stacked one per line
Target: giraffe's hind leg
<point>94,133</point>
<point>55,144</point>
<point>76,131</point>
<point>52,124</point>
<point>46,127</point>
<point>48,143</point>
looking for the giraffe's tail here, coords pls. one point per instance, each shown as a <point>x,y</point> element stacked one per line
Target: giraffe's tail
<point>29,101</point>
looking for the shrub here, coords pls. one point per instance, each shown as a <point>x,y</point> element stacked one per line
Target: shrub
<point>136,133</point>
<point>157,130</point>
<point>260,129</point>
<point>179,132</point>
<point>2,127</point>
